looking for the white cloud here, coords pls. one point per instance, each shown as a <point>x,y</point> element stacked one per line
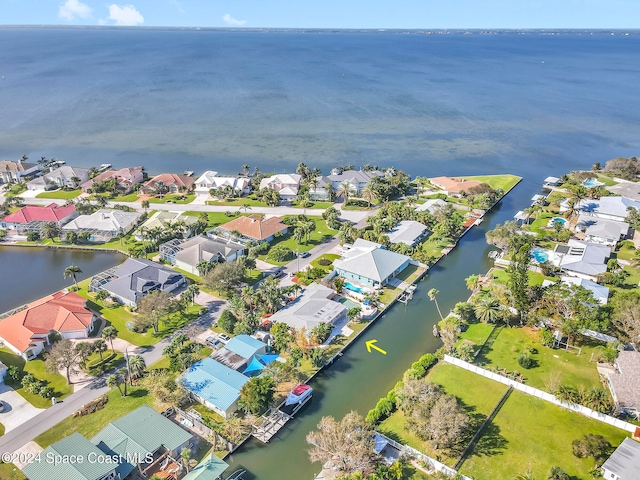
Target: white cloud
<point>229,20</point>
<point>125,15</point>
<point>73,10</point>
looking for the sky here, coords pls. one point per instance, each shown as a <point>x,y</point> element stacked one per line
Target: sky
<point>401,14</point>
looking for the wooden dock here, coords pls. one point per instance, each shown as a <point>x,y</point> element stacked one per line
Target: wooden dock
<point>274,421</point>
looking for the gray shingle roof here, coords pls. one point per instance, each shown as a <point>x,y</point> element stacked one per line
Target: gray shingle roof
<point>626,383</point>
<point>370,260</point>
<point>602,228</point>
<point>203,249</point>
<point>625,461</point>
<point>613,206</point>
<point>137,277</point>
<point>75,444</point>
<point>407,232</point>
<point>583,257</point>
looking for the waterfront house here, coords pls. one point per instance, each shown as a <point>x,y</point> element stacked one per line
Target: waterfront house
<point>624,462</point>
<point>104,225</point>
<point>432,205</point>
<point>167,183</point>
<point>143,439</point>
<point>286,184</point>
<point>163,220</point>
<point>252,228</point>
<point>551,182</point>
<point>313,307</point>
<point>210,468</point>
<point>606,208</point>
<point>135,279</point>
<point>210,180</point>
<point>356,179</point>
<point>214,385</point>
<point>369,263</point>
<point>582,259</point>
<point>27,332</point>
<point>599,230</point>
<point>32,217</point>
<point>16,171</point>
<point>624,381</point>
<point>85,466</point>
<point>408,232</point>
<point>186,255</point>
<point>240,351</point>
<point>126,179</point>
<point>65,176</point>
<point>454,187</point>
<point>600,293</point>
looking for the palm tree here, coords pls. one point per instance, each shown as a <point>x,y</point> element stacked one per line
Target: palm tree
<point>488,310</point>
<point>101,296</point>
<point>109,333</point>
<point>204,267</point>
<point>432,296</point>
<point>191,292</point>
<point>113,380</point>
<point>185,455</point>
<point>472,282</point>
<point>71,271</point>
<point>245,206</point>
<point>99,346</point>
<point>145,205</point>
<point>369,194</point>
<point>137,366</point>
<point>344,191</point>
<point>50,230</point>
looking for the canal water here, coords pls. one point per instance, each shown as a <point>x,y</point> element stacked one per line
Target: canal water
<point>27,274</point>
<point>358,379</point>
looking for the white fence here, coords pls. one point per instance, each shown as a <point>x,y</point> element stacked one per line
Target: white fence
<point>616,422</point>
<point>430,463</point>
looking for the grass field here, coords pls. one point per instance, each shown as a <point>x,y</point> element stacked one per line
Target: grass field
<point>237,202</point>
<point>91,424</point>
<point>505,182</point>
<point>9,471</point>
<point>477,332</point>
<point>410,274</point>
<point>132,197</point>
<point>215,218</point>
<point>576,369</point>
<point>328,256</point>
<point>531,434</point>
<point>315,206</point>
<point>174,198</point>
<point>60,194</point>
<point>36,367</point>
<point>608,181</point>
<point>321,234</point>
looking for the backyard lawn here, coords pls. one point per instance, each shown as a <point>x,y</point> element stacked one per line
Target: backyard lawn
<point>531,434</point>
<point>237,202</point>
<point>505,182</point>
<point>327,256</point>
<point>132,197</point>
<point>60,194</point>
<point>321,234</point>
<point>90,425</point>
<point>477,332</point>
<point>410,274</point>
<point>576,369</point>
<point>215,218</point>
<point>174,198</point>
<point>36,367</point>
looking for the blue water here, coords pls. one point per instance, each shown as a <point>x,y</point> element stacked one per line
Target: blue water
<point>534,105</point>
<point>353,288</point>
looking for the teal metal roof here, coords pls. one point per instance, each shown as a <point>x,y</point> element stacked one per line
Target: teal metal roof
<point>245,345</point>
<point>140,432</point>
<point>214,382</point>
<point>210,468</point>
<point>83,466</point>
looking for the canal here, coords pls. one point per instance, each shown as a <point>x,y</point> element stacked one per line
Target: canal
<point>27,273</point>
<point>358,379</point>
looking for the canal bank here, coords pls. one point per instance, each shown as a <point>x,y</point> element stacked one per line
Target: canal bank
<point>358,379</point>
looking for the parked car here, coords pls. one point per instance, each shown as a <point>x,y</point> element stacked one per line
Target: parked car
<point>213,342</point>
<point>305,254</point>
<point>224,338</point>
<point>278,273</point>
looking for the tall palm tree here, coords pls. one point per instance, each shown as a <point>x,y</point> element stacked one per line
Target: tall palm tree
<point>344,191</point>
<point>137,366</point>
<point>145,205</point>
<point>191,292</point>
<point>432,296</point>
<point>369,193</point>
<point>299,234</point>
<point>114,381</point>
<point>245,206</point>
<point>71,271</point>
<point>50,230</point>
<point>472,282</point>
<point>488,310</point>
<point>185,455</point>
<point>110,333</point>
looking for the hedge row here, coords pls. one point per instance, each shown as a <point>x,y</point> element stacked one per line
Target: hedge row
<point>98,363</point>
<point>387,405</point>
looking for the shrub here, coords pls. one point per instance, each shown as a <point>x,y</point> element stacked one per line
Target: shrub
<point>91,407</point>
<point>99,363</point>
<point>383,409</point>
<point>131,326</point>
<point>46,392</point>
<point>325,262</point>
<point>227,321</point>
<point>14,373</point>
<point>525,360</point>
<point>546,337</point>
<point>279,253</point>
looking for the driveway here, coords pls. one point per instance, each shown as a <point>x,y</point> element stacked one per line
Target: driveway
<point>626,189</point>
<point>17,409</point>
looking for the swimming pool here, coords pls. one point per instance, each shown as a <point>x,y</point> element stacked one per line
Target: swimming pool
<point>592,182</point>
<point>354,288</point>
<point>539,255</point>
<point>559,220</point>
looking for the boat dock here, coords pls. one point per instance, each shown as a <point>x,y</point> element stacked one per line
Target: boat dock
<point>407,294</point>
<point>274,420</point>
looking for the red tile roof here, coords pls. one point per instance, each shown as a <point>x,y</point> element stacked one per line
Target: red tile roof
<point>61,312</point>
<point>32,213</point>
<point>455,185</point>
<point>255,227</point>
<point>171,179</point>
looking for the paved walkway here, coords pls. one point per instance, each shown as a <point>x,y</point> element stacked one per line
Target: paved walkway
<point>17,409</point>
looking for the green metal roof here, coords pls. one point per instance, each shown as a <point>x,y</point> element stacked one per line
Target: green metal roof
<point>140,432</point>
<point>82,466</point>
<point>210,468</point>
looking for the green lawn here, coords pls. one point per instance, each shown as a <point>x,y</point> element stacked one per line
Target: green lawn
<point>505,182</point>
<point>174,198</point>
<point>433,246</point>
<point>116,361</point>
<point>8,471</point>
<point>476,394</point>
<point>215,218</point>
<point>477,332</point>
<point>37,368</point>
<point>237,202</point>
<point>410,274</point>
<point>60,194</point>
<point>321,234</point>
<point>316,205</point>
<point>608,181</point>
<point>535,278</point>
<point>541,222</point>
<point>576,369</point>
<point>90,425</point>
<point>626,251</point>
<point>132,197</point>
<point>531,434</point>
<point>328,256</point>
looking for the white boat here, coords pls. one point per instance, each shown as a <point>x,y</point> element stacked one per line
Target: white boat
<point>104,166</point>
<point>299,395</point>
<point>188,173</point>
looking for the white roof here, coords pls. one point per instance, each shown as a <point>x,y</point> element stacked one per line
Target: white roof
<point>583,257</point>
<point>370,260</point>
<point>551,180</point>
<point>601,227</point>
<point>281,180</point>
<point>600,293</point>
<point>612,206</point>
<point>431,205</point>
<point>407,232</point>
<point>210,179</point>
<point>625,461</point>
<point>104,220</point>
<point>207,177</point>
